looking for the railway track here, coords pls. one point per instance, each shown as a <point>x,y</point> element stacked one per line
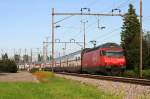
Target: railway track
<point>111,78</point>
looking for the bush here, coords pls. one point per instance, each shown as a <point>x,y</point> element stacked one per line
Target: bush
<point>135,74</point>
<point>146,74</point>
<point>44,76</point>
<point>8,66</point>
<point>47,69</point>
<point>33,70</point>
<point>130,73</point>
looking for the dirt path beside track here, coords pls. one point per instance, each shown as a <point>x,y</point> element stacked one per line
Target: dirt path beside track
<point>21,76</point>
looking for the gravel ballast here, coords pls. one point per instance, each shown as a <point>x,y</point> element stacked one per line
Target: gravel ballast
<point>126,90</point>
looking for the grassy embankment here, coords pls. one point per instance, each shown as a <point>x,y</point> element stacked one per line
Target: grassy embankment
<point>51,87</point>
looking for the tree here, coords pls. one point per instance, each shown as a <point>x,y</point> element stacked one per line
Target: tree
<point>5,56</point>
<point>50,58</point>
<point>130,38</point>
<point>39,58</point>
<point>147,40</point>
<point>25,58</point>
<point>8,66</point>
<point>17,58</point>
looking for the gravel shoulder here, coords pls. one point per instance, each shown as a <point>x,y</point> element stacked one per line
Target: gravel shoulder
<point>126,90</point>
<point>21,76</point>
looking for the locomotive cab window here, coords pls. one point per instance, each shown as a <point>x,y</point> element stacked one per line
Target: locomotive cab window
<point>112,53</point>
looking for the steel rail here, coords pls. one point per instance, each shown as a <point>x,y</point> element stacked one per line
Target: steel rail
<point>144,82</point>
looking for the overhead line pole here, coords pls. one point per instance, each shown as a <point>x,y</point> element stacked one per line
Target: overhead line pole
<point>44,52</point>
<point>31,55</point>
<point>141,40</point>
<point>52,38</point>
<point>84,38</point>
<point>84,34</point>
<point>30,59</point>
<point>46,49</point>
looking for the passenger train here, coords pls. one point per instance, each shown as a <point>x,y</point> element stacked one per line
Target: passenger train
<point>107,58</point>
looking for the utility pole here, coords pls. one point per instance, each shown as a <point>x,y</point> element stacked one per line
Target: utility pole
<point>52,38</point>
<point>141,40</point>
<point>84,22</point>
<point>46,49</point>
<point>25,58</point>
<point>84,36</point>
<point>30,60</point>
<point>31,56</point>
<point>20,60</point>
<point>43,52</point>
<point>38,54</point>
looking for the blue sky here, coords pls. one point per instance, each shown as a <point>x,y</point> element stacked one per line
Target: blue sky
<point>26,23</point>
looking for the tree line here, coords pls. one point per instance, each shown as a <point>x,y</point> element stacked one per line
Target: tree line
<point>8,65</point>
<point>130,41</point>
<point>25,58</point>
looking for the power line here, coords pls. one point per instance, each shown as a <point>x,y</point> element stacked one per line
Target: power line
<point>108,33</point>
<point>70,14</point>
<point>122,4</point>
<point>64,19</point>
<point>92,3</point>
<point>116,29</point>
<point>78,34</point>
<point>108,36</point>
<point>119,6</point>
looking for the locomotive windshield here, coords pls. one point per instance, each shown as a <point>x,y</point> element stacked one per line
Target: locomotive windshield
<point>112,53</point>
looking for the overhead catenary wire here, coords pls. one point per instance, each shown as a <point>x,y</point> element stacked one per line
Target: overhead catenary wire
<point>114,30</point>
<point>96,21</point>
<point>89,5</point>
<point>92,3</point>
<point>105,36</point>
<point>64,19</point>
<point>122,4</point>
<point>119,6</point>
<point>111,35</point>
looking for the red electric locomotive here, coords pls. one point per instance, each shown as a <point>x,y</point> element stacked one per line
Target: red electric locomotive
<point>107,58</point>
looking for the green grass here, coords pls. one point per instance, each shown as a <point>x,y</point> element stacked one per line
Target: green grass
<point>52,88</point>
